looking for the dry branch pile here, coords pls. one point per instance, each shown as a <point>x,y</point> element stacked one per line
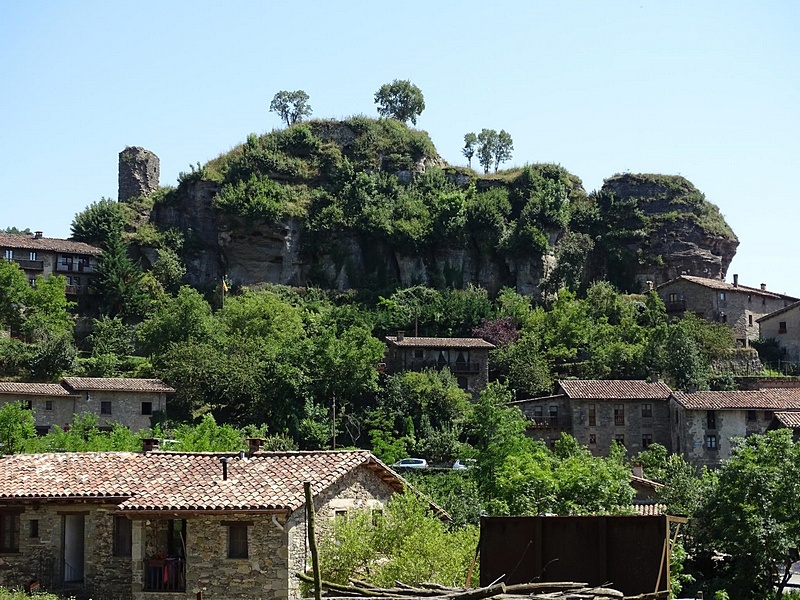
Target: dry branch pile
<point>565,590</point>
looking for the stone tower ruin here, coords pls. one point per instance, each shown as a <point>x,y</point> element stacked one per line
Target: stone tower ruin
<point>139,170</point>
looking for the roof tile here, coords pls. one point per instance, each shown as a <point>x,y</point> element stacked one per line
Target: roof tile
<point>439,342</point>
<point>28,242</point>
<point>615,389</point>
<point>117,384</point>
<point>766,399</point>
<point>37,389</point>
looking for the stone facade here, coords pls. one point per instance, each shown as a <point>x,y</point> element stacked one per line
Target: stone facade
<point>40,256</point>
<point>132,409</point>
<point>784,327</point>
<point>547,417</point>
<point>466,358</point>
<point>737,306</point>
<point>139,172</point>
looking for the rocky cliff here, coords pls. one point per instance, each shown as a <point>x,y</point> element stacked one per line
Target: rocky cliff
<point>369,204</point>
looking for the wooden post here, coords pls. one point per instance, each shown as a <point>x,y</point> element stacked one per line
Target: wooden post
<point>312,540</point>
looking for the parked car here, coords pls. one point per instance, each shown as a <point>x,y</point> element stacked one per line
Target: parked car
<point>411,463</point>
<point>462,464</point>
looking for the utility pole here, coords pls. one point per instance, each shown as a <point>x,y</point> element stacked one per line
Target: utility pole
<point>333,423</point>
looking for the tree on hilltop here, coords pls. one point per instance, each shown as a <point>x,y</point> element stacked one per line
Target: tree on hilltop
<point>470,142</point>
<point>400,100</point>
<point>291,106</point>
<point>494,148</point>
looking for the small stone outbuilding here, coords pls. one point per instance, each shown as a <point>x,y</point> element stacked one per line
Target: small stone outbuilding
<point>142,526</point>
<point>783,326</point>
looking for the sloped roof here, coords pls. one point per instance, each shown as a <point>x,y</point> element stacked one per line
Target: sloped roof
<point>34,389</point>
<point>439,342</point>
<point>116,384</point>
<point>719,284</point>
<point>614,389</point>
<point>271,481</point>
<point>29,242</point>
<point>778,312</point>
<point>790,419</point>
<point>766,399</point>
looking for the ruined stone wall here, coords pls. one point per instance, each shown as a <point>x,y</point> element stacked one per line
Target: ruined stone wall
<point>139,172</point>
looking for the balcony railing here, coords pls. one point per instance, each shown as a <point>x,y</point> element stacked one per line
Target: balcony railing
<point>164,575</point>
<point>455,367</point>
<point>73,290</point>
<point>676,306</point>
<point>31,265</point>
<point>63,267</point>
<point>543,422</point>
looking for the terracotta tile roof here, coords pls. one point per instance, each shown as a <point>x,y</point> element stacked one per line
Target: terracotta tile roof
<point>778,312</point>
<point>790,419</point>
<point>36,389</point>
<point>766,399</point>
<point>614,389</point>
<point>116,384</point>
<point>648,483</point>
<point>439,342</point>
<point>183,481</point>
<point>719,284</point>
<point>28,242</point>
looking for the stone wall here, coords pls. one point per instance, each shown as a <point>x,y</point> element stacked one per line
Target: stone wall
<point>60,412</point>
<point>636,426</point>
<point>139,172</point>
<point>126,407</point>
<point>788,337</point>
<point>541,426</point>
<point>40,558</point>
<point>416,359</point>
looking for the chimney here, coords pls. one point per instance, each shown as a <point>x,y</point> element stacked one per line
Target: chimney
<point>638,471</point>
<point>654,376</point>
<point>224,462</point>
<point>37,235</point>
<point>149,444</point>
<point>401,335</point>
<point>735,280</point>
<point>763,287</point>
<point>254,445</point>
<point>649,286</point>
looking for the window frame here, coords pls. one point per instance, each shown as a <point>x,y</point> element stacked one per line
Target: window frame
<point>647,411</point>
<point>149,412</point>
<point>619,414</point>
<point>123,536</point>
<point>711,419</point>
<point>711,442</point>
<point>9,531</point>
<point>238,545</point>
<point>105,404</point>
<point>647,440</point>
<point>592,415</point>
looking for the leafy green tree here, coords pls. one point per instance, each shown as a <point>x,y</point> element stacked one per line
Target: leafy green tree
<point>16,426</point>
<point>470,144</point>
<point>17,231</point>
<point>683,488</point>
<point>110,335</point>
<point>119,282</point>
<point>47,311</point>
<point>15,292</point>
<point>752,514</point>
<point>53,353</point>
<point>494,148</point>
<point>169,270</point>
<point>405,543</point>
<point>98,222</point>
<point>400,100</point>
<point>291,106</point>
<point>187,317</point>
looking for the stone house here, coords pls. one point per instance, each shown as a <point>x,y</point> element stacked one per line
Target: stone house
<point>131,402</point>
<point>738,306</point>
<point>466,358</point>
<point>783,326</point>
<point>143,526</point>
<point>38,255</point>
<point>51,403</point>
<point>786,420</point>
<point>703,423</point>
<point>597,413</point>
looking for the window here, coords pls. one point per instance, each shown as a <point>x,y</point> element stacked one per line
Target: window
<point>48,405</point>
<point>147,408</point>
<point>237,540</point>
<point>340,514</point>
<point>592,439</point>
<point>32,282</point>
<point>619,414</point>
<point>9,532</point>
<point>711,442</point>
<point>673,297</point>
<point>76,281</point>
<point>620,439</point>
<point>122,536</point>
<point>33,528</point>
<point>750,320</point>
<point>768,414</point>
<point>711,419</point>
<point>592,415</point>
<point>9,255</point>
<point>553,414</point>
<point>538,412</point>
<point>751,415</point>
<point>42,430</point>
<point>647,410</point>
<point>32,255</point>
<point>463,382</point>
<point>722,296</point>
<point>782,327</point>
<point>677,416</point>
<point>647,439</point>
<point>105,407</point>
<point>749,297</point>
<point>419,353</point>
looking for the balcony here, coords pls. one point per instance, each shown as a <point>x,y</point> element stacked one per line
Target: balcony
<point>164,575</point>
<point>676,306</point>
<point>63,267</point>
<point>460,368</point>
<point>73,290</point>
<point>543,422</point>
<point>31,265</point>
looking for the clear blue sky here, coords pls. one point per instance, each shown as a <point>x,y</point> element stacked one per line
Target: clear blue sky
<point>708,90</point>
